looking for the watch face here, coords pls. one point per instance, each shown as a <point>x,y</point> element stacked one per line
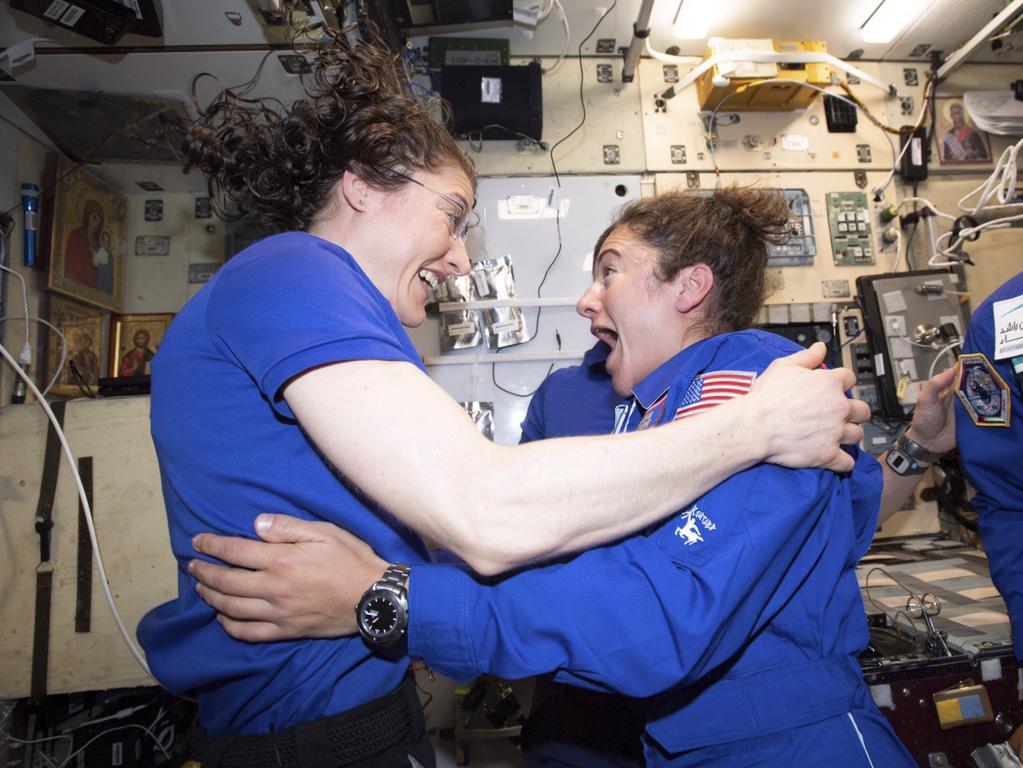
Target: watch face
<point>380,616</point>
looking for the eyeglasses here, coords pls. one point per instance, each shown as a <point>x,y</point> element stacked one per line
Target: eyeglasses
<point>458,223</point>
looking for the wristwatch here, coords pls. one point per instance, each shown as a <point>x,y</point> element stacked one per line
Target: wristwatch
<point>908,457</point>
<point>382,613</point>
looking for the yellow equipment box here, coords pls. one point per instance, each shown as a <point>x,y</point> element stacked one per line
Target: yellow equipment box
<point>728,77</point>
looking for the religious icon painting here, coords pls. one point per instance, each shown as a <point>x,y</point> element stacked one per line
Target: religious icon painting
<point>959,141</point>
<point>134,342</point>
<point>74,365</point>
<point>83,239</point>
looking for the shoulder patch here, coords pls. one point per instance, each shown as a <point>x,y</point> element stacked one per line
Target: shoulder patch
<point>983,393</point>
<point>712,389</point>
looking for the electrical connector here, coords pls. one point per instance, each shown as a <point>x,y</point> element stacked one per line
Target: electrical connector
<point>25,361</point>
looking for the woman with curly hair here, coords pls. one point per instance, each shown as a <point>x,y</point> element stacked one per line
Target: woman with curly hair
<point>289,385</point>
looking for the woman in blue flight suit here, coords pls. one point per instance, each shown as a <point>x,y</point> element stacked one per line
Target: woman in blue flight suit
<point>989,431</point>
<point>740,617</point>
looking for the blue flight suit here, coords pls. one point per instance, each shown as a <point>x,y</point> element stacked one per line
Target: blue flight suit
<point>567,725</point>
<point>741,613</point>
<point>574,401</point>
<point>991,454</point>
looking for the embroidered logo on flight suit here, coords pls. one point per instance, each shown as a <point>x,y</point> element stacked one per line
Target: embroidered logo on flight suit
<point>692,518</point>
<point>653,414</point>
<point>983,393</point>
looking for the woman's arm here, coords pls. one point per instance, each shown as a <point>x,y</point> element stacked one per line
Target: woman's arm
<point>402,440</point>
<point>933,427</point>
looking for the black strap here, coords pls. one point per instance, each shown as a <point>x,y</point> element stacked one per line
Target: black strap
<point>44,572</point>
<point>83,584</point>
<point>359,736</point>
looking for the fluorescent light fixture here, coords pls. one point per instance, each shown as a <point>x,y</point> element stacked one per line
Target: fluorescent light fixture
<point>692,20</point>
<point>890,18</point>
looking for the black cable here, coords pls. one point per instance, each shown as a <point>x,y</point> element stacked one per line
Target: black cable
<point>478,145</point>
<point>493,370</point>
<point>582,99</point>
<point>912,234</point>
<point>539,311</point>
<point>933,109</point>
<point>557,214</point>
<point>79,380</point>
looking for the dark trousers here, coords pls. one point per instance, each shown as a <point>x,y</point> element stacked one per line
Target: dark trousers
<point>388,732</point>
<point>571,727</point>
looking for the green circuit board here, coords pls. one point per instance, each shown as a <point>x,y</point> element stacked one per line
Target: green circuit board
<point>849,221</point>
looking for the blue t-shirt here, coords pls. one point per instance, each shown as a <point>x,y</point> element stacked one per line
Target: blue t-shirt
<point>229,448</point>
<point>991,458</point>
<point>754,581</point>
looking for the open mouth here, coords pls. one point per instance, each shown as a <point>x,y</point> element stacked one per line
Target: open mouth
<point>606,335</point>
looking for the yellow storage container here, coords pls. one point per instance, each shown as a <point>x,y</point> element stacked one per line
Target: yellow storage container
<point>726,78</point>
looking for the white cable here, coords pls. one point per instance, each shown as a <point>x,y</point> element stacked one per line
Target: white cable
<point>24,299</point>
<point>950,251</point>
<point>86,508</point>
<point>667,58</point>
<point>545,9</point>
<point>898,255</point>
<point>63,347</point>
<point>568,35</point>
<point>770,56</point>
<point>82,748</point>
<point>758,83</point>
<point>1005,172</point>
<point>1001,183</point>
<point>937,357</point>
<point>927,204</point>
<point>897,327</point>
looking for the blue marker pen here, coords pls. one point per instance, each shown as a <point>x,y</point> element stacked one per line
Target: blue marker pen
<point>30,204</point>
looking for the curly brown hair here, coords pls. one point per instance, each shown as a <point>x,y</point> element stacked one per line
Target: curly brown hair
<point>727,230</point>
<point>280,163</point>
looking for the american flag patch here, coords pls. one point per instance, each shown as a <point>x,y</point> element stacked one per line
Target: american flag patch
<point>712,389</point>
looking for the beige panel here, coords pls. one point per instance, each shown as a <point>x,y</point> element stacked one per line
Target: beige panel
<point>803,284</point>
<point>132,531</point>
<point>680,125</point>
<point>160,283</point>
<point>612,119</point>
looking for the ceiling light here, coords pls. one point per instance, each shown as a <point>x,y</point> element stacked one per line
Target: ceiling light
<point>890,18</point>
<point>692,20</point>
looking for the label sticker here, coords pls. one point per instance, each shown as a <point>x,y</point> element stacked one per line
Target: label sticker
<point>490,90</point>
<point>1008,316</point>
<point>71,17</point>
<point>56,9</point>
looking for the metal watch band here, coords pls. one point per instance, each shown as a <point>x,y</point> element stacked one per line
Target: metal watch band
<point>395,578</point>
<point>912,448</point>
